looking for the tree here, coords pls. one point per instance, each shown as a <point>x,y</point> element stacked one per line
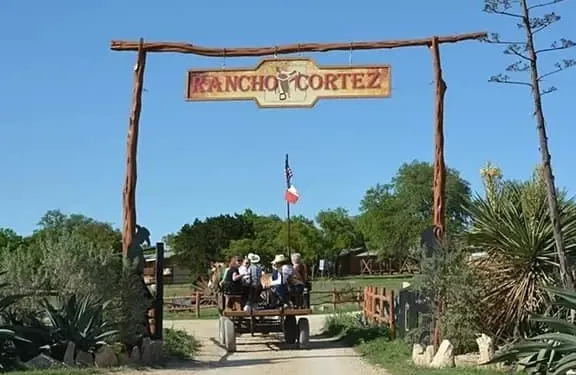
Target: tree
<point>394,215</point>
<point>9,239</point>
<point>54,224</point>
<point>201,242</point>
<point>339,231</point>
<point>271,236</point>
<point>305,237</point>
<point>528,55</point>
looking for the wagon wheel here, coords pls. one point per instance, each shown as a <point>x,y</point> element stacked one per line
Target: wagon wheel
<point>221,333</point>
<point>290,329</point>
<point>201,286</point>
<point>303,333</point>
<point>229,334</point>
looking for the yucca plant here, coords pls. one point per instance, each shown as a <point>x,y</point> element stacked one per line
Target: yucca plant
<point>551,353</point>
<point>512,225</point>
<point>81,321</point>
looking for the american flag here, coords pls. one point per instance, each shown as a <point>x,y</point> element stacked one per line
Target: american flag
<point>288,172</point>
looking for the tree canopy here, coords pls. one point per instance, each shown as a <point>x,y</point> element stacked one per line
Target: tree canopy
<point>392,216</point>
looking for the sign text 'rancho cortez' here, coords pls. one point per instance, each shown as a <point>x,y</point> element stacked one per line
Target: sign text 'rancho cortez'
<point>289,83</point>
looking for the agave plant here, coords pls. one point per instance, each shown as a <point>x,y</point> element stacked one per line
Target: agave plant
<point>512,225</point>
<point>81,321</point>
<point>551,353</point>
<point>9,339</point>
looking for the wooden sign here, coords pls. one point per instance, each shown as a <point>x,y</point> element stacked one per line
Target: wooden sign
<point>282,83</point>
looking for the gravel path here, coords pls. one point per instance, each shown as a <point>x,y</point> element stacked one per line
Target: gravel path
<point>267,355</point>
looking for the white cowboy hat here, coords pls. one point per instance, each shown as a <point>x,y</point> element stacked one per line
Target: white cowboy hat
<point>279,259</point>
<point>253,258</point>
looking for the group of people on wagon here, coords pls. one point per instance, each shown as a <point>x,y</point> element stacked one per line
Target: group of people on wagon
<point>289,278</point>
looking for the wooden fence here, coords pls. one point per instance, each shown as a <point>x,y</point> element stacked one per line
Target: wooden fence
<point>379,307</point>
<point>199,301</point>
<point>377,304</point>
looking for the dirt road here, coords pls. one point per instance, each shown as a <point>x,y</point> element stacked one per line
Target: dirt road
<point>267,355</point>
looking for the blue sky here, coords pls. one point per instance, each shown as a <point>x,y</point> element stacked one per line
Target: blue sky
<point>65,100</point>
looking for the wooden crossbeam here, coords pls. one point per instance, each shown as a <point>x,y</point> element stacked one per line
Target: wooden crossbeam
<point>176,47</point>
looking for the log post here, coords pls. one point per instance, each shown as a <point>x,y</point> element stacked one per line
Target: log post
<point>129,194</point>
<point>439,187</point>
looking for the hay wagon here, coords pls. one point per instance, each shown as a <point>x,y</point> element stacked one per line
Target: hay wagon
<point>233,321</point>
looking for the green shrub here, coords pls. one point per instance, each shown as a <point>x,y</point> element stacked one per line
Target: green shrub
<point>179,344</point>
<point>353,329</point>
<point>443,276</point>
<point>67,264</point>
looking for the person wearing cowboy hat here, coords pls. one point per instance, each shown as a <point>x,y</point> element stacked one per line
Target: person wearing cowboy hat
<point>282,273</point>
<point>252,280</point>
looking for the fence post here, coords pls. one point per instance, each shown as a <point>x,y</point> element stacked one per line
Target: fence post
<point>197,304</point>
<point>334,299</point>
<point>358,298</point>
<point>375,306</point>
<point>392,317</point>
<point>383,301</point>
<point>369,303</point>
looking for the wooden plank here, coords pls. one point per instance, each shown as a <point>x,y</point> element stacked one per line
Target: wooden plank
<point>268,312</point>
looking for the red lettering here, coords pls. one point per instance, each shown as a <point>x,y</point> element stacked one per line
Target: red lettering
<point>373,80</point>
<point>271,83</point>
<point>315,81</point>
<point>330,81</point>
<point>215,85</point>
<point>231,83</point>
<point>343,77</point>
<point>257,83</point>
<point>301,82</point>
<point>357,81</point>
<point>197,83</point>
<point>244,83</point>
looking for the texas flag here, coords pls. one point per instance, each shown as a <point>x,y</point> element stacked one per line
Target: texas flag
<point>292,194</point>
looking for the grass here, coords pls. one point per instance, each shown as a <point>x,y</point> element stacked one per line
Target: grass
<point>395,356</point>
<point>322,285</point>
<point>374,343</point>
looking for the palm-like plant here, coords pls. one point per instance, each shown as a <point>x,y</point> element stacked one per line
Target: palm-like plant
<point>512,225</point>
<point>81,321</point>
<point>551,353</point>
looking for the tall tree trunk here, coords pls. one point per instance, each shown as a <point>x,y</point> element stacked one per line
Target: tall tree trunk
<point>565,273</point>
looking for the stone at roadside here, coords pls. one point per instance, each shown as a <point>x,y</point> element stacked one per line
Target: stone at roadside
<point>422,357</point>
<point>123,359</point>
<point>84,359</point>
<point>429,355</point>
<point>444,357</point>
<point>69,354</point>
<point>105,357</point>
<point>42,361</point>
<point>135,355</point>
<point>146,348</point>
<point>485,348</point>
<point>157,346</point>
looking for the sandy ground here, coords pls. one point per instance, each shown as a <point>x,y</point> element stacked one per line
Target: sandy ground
<point>265,355</point>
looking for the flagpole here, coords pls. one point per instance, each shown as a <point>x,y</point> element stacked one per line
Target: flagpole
<point>288,207</point>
